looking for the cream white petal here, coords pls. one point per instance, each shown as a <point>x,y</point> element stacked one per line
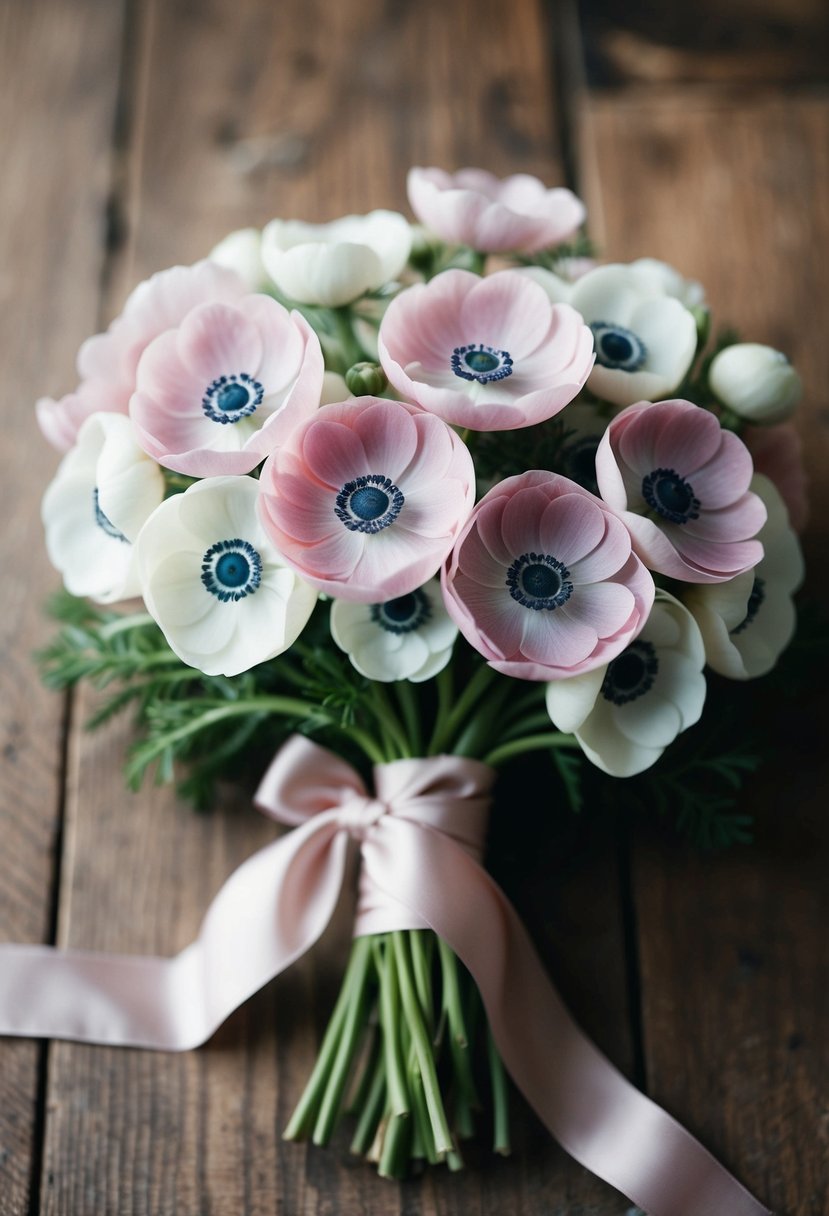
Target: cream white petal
<point>611,751</point>
<point>570,702</point>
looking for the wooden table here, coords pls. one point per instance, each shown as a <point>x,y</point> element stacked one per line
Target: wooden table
<point>135,133</point>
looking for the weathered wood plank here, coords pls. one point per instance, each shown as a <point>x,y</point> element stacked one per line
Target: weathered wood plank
<point>239,113</point>
<point>735,971</point>
<point>749,43</point>
<point>58,70</point>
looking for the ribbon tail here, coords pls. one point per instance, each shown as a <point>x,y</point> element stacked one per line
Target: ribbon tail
<point>268,913</point>
<point>602,1120</point>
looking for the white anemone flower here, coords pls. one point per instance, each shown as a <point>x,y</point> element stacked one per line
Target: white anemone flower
<point>626,713</point>
<point>408,638</point>
<point>211,579</point>
<point>668,279</point>
<point>105,488</point>
<point>645,337</point>
<point>584,426</point>
<point>332,264</point>
<point>749,621</point>
<point>242,251</point>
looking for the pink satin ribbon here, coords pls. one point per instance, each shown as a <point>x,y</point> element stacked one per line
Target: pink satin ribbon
<point>420,837</point>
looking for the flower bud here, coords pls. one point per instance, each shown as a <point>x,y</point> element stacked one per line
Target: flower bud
<point>756,382</point>
<point>366,380</point>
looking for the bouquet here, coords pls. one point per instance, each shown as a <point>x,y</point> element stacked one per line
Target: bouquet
<point>409,502</point>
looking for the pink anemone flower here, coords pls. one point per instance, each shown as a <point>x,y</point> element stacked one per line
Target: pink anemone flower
<point>543,581</point>
<point>366,500</point>
<point>216,395</point>
<point>107,363</point>
<point>490,354</point>
<point>680,483</point>
<point>472,207</point>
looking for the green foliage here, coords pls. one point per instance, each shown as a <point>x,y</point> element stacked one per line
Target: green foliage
<point>500,454</point>
<point>216,726</point>
<point>697,783</point>
<point>570,765</point>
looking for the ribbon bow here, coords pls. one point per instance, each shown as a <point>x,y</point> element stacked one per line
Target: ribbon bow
<point>420,838</point>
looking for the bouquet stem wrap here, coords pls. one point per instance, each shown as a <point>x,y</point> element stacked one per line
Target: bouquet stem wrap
<point>420,838</point>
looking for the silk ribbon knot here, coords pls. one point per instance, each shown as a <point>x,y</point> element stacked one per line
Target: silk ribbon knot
<point>420,837</point>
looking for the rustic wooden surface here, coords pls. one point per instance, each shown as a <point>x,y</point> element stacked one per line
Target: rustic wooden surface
<point>134,134</point>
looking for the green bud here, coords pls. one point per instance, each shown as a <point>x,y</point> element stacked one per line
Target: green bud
<point>366,380</point>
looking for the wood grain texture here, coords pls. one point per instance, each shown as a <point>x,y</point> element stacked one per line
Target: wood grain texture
<point>58,72</point>
<point>236,114</point>
<point>735,967</point>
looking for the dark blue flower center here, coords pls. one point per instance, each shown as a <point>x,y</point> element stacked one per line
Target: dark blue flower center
<point>104,522</point>
<point>481,363</point>
<point>670,495</point>
<point>580,462</point>
<point>537,580</point>
<point>755,603</point>
<point>231,569</point>
<point>618,348</point>
<point>368,504</point>
<point>230,398</point>
<point>632,674</point>
<point>404,614</point>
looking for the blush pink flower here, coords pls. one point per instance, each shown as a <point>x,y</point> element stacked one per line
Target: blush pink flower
<point>543,581</point>
<point>107,362</point>
<point>216,395</point>
<point>471,207</point>
<point>366,500</point>
<point>777,452</point>
<point>680,483</point>
<point>491,354</point>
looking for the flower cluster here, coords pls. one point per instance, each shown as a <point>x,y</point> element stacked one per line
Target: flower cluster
<point>308,421</point>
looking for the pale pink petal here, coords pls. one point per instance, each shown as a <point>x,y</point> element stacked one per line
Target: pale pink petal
<point>602,607</point>
<point>304,511</point>
<point>726,477</point>
<point>476,561</point>
<point>334,452</point>
<point>219,340</point>
<point>554,640</point>
<point>283,346</point>
<point>389,437</point>
<point>164,377</point>
<point>496,615</point>
<point>687,440</point>
<point>570,527</point>
<point>607,558</point>
<point>741,520</point>
<point>506,311</point>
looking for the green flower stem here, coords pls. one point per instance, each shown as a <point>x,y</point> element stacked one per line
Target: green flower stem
<point>397,744</point>
<point>411,715</point>
<point>371,1108</point>
<point>485,725</point>
<point>384,958</point>
<point>290,707</point>
<point>532,743</point>
<point>350,348</point>
<point>521,727</point>
<point>424,1137</point>
<point>500,1098</point>
<point>467,701</point>
<point>305,1112</point>
<point>459,1039</point>
<point>422,943</point>
<point>359,969</point>
<point>421,1043</point>
<point>446,692</point>
<point>394,1155</point>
